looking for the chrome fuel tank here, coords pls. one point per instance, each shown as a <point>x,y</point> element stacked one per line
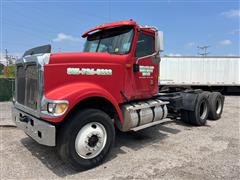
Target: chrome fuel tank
<point>141,113</point>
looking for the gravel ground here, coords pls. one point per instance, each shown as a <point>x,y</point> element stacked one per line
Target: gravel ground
<point>172,150</point>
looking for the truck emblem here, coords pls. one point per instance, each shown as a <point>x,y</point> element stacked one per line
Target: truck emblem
<point>146,70</point>
<point>88,71</point>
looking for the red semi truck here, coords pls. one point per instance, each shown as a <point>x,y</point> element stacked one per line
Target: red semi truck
<point>74,101</point>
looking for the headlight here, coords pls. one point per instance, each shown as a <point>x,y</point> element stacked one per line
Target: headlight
<point>57,109</point>
<point>53,108</point>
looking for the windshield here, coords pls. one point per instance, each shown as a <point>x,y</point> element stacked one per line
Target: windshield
<point>115,40</point>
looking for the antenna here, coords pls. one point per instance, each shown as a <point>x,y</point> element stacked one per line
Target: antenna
<point>204,50</point>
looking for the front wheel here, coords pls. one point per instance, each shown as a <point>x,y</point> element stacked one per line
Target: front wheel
<point>86,138</point>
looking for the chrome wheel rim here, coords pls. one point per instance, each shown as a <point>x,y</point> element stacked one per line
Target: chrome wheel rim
<point>218,106</point>
<point>90,140</point>
<point>203,110</point>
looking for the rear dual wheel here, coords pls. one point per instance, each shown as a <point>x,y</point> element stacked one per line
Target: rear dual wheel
<point>208,106</point>
<point>216,102</point>
<point>199,116</point>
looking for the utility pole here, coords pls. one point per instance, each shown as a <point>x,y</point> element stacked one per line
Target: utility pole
<point>204,50</point>
<point>5,67</point>
<point>6,56</point>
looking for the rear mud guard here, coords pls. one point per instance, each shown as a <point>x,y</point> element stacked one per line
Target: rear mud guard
<point>189,100</point>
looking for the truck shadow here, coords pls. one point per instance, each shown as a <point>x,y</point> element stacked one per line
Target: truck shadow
<point>130,140</point>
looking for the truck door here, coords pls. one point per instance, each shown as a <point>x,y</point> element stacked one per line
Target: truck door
<point>146,77</point>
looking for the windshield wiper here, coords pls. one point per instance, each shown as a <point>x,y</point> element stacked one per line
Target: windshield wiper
<point>120,53</point>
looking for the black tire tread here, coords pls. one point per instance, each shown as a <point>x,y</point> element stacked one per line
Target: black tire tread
<point>212,105</point>
<point>67,130</point>
<point>193,115</point>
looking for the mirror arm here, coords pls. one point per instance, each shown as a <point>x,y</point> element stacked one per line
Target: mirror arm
<point>154,54</point>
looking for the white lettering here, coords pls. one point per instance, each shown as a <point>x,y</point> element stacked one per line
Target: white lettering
<point>146,70</point>
<point>88,71</point>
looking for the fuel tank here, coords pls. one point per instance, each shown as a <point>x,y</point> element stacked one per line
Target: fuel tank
<point>140,113</point>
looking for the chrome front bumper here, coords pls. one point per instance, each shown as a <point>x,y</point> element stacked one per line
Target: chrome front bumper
<point>42,132</point>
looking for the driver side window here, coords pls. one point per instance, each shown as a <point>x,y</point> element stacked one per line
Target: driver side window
<point>145,45</point>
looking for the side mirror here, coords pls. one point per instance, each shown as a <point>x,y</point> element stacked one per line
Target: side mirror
<point>159,47</point>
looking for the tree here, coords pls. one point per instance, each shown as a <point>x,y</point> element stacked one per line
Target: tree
<point>11,71</point>
<point>1,68</point>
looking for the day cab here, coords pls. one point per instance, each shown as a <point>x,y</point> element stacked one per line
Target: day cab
<point>74,101</point>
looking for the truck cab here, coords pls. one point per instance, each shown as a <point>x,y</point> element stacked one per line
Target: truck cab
<point>74,101</point>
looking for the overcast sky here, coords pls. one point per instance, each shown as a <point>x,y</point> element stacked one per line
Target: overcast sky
<point>186,24</point>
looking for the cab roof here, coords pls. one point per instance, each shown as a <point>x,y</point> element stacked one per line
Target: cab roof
<point>110,25</point>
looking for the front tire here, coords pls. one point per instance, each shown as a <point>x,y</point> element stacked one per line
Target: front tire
<point>86,139</point>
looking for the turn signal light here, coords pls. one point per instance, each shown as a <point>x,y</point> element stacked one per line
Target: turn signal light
<point>61,108</point>
<point>128,65</point>
<point>57,109</point>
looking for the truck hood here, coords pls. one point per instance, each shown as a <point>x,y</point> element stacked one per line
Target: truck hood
<point>86,57</point>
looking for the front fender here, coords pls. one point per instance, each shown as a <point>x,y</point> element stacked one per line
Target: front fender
<point>76,92</point>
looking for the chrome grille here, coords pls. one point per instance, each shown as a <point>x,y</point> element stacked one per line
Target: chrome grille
<point>20,80</point>
<point>27,85</point>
